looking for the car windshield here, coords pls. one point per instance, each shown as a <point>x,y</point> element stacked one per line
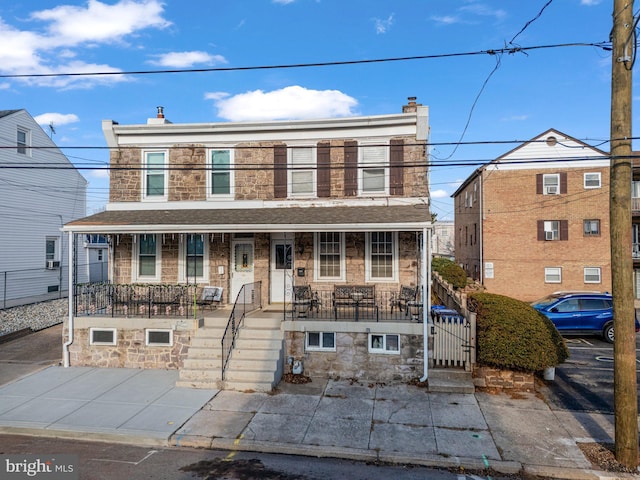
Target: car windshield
<point>545,301</point>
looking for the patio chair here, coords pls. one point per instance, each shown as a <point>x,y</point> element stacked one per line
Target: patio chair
<point>403,297</point>
<point>211,297</point>
<point>304,300</point>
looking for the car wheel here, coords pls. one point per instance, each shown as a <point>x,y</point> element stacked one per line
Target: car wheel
<point>607,333</point>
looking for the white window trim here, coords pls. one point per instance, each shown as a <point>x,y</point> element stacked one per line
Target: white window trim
<point>593,281</point>
<point>553,271</point>
<point>599,180</point>
<point>546,189</point>
<point>313,167</point>
<point>363,166</point>
<point>155,198</point>
<point>367,260</point>
<point>555,233</point>
<point>135,277</point>
<point>209,170</point>
<point>383,349</point>
<point>182,260</point>
<point>113,330</point>
<point>27,145</point>
<point>151,330</point>
<point>56,250</point>
<point>343,266</point>
<point>321,348</point>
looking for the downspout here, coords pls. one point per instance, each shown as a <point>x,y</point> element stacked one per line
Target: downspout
<point>65,347</point>
<point>426,297</point>
<point>481,225</point>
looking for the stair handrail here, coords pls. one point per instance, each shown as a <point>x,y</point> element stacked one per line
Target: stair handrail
<point>246,302</point>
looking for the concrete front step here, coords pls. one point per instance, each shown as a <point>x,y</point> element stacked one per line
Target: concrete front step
<point>259,354</point>
<point>260,376</point>
<point>205,385</point>
<point>196,375</point>
<point>245,386</point>
<point>450,380</point>
<point>200,352</point>
<point>202,364</point>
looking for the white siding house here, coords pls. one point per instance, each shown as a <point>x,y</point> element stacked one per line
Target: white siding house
<point>40,191</point>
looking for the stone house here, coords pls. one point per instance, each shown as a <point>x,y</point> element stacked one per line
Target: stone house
<point>536,219</point>
<point>308,228</point>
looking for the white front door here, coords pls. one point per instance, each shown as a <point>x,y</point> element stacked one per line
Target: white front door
<point>281,268</point>
<point>241,265</point>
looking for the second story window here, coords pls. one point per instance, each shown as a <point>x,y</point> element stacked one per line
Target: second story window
<point>551,230</point>
<point>373,170</point>
<point>155,175</point>
<point>591,228</point>
<point>302,171</point>
<point>551,184</point>
<point>592,180</point>
<point>221,177</point>
<point>22,141</point>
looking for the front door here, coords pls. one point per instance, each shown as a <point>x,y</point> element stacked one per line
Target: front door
<point>281,268</point>
<point>241,265</point>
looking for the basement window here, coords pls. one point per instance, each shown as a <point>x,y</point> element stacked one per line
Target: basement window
<point>384,343</point>
<point>159,337</point>
<point>320,341</point>
<point>102,336</point>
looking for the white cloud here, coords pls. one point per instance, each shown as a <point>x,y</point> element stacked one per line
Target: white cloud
<point>56,118</point>
<point>468,14</point>
<point>446,19</point>
<point>67,28</point>
<point>100,22</point>
<point>382,25</point>
<point>440,193</point>
<point>100,173</point>
<point>187,59</point>
<point>483,10</point>
<point>283,2</point>
<point>288,103</point>
<point>515,118</point>
<point>590,2</point>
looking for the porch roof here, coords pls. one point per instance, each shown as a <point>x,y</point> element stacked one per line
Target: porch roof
<point>257,220</point>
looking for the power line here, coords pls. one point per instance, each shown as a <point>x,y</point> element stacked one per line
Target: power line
<point>498,51</point>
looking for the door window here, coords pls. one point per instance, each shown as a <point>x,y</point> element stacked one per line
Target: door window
<point>283,256</point>
<point>244,258</point>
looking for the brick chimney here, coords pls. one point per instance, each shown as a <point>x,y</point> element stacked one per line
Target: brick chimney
<point>411,106</point>
<point>159,118</point>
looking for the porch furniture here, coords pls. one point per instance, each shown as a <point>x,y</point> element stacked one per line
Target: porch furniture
<point>403,297</point>
<point>304,300</point>
<point>356,297</point>
<point>414,308</point>
<point>210,297</point>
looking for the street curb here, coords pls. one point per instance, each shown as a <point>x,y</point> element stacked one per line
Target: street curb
<point>427,460</point>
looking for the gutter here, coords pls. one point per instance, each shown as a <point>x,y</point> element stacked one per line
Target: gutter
<point>426,297</point>
<point>65,347</point>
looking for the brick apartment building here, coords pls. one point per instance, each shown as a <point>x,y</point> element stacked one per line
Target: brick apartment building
<point>536,219</point>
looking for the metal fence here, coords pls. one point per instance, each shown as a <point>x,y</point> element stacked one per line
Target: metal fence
<point>132,300</point>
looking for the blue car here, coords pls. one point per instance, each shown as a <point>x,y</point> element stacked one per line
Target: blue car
<point>580,313</point>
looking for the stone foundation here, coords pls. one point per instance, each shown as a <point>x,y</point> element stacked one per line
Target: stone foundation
<point>352,358</point>
<point>488,377</point>
<point>130,350</point>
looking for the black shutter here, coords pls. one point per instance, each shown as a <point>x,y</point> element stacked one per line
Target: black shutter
<point>563,182</point>
<point>564,229</point>
<point>539,184</point>
<point>541,230</point>
<point>280,171</point>
<point>396,161</point>
<point>324,169</point>
<point>350,168</point>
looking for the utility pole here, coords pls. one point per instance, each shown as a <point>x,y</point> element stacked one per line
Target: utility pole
<point>624,348</point>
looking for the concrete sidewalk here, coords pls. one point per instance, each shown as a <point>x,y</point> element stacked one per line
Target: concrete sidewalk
<point>344,419</point>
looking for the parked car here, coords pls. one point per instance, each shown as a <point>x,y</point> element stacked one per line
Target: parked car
<point>580,313</point>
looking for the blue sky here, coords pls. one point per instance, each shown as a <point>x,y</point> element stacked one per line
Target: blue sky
<point>566,88</point>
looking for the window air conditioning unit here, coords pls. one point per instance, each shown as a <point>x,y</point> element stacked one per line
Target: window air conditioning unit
<point>51,264</point>
<point>548,235</point>
<point>553,190</point>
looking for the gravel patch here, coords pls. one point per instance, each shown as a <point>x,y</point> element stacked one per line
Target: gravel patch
<point>35,316</point>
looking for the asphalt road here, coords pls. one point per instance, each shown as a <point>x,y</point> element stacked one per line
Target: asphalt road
<point>585,381</point>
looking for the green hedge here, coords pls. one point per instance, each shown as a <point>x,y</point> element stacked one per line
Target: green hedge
<point>450,272</point>
<point>512,334</point>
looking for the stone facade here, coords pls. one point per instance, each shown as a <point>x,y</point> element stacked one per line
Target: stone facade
<point>494,378</point>
<point>351,358</point>
<point>130,350</point>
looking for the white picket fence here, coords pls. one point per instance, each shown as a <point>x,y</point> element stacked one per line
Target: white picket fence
<point>451,336</point>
